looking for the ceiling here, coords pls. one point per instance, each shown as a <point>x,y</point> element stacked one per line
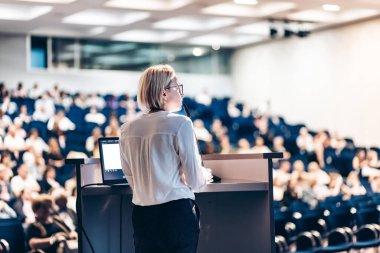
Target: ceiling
<point>216,23</point>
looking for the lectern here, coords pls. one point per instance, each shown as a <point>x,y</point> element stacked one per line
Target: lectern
<point>236,213</point>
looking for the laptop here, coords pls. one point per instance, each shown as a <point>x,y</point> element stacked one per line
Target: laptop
<point>110,161</point>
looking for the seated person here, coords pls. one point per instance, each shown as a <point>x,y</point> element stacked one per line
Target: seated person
<point>46,233</point>
<point>65,213</point>
<point>6,212</point>
<point>24,180</point>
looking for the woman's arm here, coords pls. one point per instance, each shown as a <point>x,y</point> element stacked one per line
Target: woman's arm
<point>190,158</point>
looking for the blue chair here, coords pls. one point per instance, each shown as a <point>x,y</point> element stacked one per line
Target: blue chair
<point>367,216</point>
<point>339,218</point>
<point>339,239</point>
<point>367,237</point>
<point>12,232</point>
<point>306,242</point>
<point>281,245</point>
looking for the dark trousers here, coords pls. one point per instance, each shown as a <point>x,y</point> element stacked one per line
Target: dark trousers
<point>171,227</point>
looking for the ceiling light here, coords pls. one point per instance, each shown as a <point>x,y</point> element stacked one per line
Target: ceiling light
<point>50,1</point>
<point>22,12</point>
<point>322,16</point>
<point>58,31</point>
<point>226,40</point>
<point>331,7</point>
<point>216,47</point>
<point>258,28</point>
<point>153,5</point>
<point>248,2</point>
<point>97,30</point>
<point>105,17</point>
<point>251,11</point>
<point>194,23</point>
<point>149,36</point>
<point>197,51</point>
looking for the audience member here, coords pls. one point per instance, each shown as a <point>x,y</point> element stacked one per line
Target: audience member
<point>5,122</point>
<point>35,92</point>
<point>113,128</point>
<point>244,147</point>
<point>92,139</point>
<point>23,115</point>
<point>201,132</point>
<point>260,146</point>
<point>44,108</point>
<point>47,233</point>
<point>6,212</point>
<point>54,156</point>
<point>6,193</point>
<point>24,181</point>
<point>95,117</point>
<point>34,139</point>
<point>48,181</point>
<point>66,214</point>
<point>14,143</point>
<point>20,91</point>
<point>23,206</point>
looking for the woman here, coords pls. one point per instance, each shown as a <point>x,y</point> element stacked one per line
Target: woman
<point>163,167</point>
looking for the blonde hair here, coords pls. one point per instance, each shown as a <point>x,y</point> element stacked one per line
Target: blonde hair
<point>151,86</point>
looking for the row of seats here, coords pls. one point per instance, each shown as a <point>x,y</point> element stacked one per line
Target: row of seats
<point>337,240</point>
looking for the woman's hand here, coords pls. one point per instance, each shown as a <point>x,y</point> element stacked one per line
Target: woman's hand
<point>208,175</point>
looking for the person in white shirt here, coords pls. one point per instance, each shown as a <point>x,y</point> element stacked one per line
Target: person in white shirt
<point>35,91</point>
<point>95,117</point>
<point>163,167</point>
<point>93,138</point>
<point>43,108</point>
<point>14,143</point>
<point>58,125</point>
<point>201,132</point>
<point>260,146</point>
<point>5,121</point>
<point>39,145</point>
<point>305,141</point>
<point>24,181</point>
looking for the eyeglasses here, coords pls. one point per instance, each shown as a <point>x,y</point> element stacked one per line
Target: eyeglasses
<point>178,87</point>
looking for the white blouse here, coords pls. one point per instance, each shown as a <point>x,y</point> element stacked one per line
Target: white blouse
<point>158,151</point>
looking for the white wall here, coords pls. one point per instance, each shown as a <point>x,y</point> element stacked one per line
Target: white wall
<point>330,80</point>
<point>13,68</point>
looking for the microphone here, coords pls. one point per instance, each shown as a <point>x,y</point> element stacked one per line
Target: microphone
<point>186,110</point>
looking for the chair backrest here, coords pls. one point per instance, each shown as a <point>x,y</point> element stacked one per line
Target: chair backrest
<point>305,241</point>
<point>338,237</point>
<point>366,233</point>
<point>317,237</point>
<point>281,245</point>
<point>340,218</point>
<point>367,216</point>
<point>12,231</point>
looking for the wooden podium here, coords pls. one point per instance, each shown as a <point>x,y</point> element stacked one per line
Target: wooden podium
<point>236,213</point>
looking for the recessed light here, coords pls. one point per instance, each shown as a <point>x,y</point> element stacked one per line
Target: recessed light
<point>149,36</point>
<point>194,23</point>
<point>331,7</point>
<point>50,1</point>
<point>197,51</point>
<point>216,47</point>
<point>248,2</point>
<point>154,5</point>
<point>105,17</point>
<point>22,12</point>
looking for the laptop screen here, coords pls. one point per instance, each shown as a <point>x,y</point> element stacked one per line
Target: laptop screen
<point>110,161</point>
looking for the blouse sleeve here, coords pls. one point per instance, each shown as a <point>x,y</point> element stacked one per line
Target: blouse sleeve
<point>126,167</point>
<point>189,156</point>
